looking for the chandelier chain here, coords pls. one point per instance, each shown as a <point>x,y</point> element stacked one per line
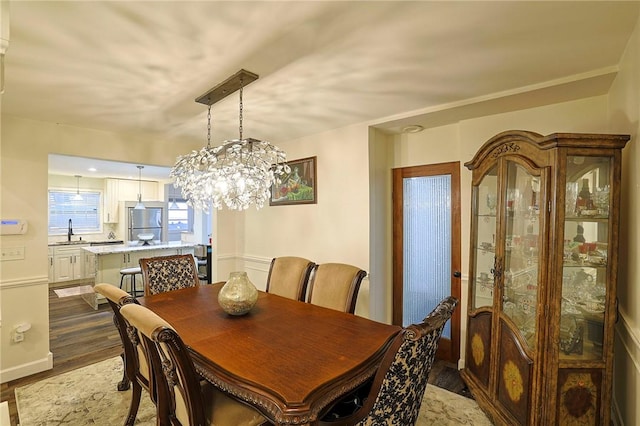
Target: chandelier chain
<point>241,107</point>
<point>209,127</point>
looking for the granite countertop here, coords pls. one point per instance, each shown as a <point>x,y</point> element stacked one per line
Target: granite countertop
<point>125,248</point>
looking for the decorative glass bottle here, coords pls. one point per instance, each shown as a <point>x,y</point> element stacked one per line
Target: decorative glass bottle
<point>584,203</point>
<point>238,295</point>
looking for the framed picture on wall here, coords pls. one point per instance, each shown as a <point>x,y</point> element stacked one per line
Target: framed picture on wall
<point>299,186</point>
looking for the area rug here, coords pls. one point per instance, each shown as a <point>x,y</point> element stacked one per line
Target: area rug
<point>88,396</point>
<point>73,291</point>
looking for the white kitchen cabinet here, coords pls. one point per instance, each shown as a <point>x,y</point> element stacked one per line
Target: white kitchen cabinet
<point>117,190</point>
<point>89,265</point>
<point>129,189</point>
<point>109,268</point>
<point>185,250</point>
<point>52,276</point>
<point>68,263</point>
<point>131,260</point>
<point>111,199</point>
<point>109,265</point>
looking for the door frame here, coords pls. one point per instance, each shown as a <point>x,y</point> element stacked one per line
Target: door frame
<point>447,349</point>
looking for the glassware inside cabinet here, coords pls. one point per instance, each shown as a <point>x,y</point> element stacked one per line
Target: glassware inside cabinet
<point>485,243</point>
<point>585,258</point>
<point>587,187</point>
<point>522,239</point>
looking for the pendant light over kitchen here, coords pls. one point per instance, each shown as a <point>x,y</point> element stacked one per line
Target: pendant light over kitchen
<point>77,196</point>
<point>139,204</point>
<point>238,173</point>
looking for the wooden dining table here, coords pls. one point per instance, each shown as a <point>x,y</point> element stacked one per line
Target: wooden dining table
<point>288,359</point>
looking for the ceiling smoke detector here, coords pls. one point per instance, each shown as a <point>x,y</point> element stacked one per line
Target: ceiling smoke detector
<point>413,128</point>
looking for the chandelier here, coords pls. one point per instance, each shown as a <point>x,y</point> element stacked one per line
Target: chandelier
<point>240,172</point>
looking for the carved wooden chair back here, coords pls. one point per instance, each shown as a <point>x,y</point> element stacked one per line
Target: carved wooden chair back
<point>289,277</point>
<point>398,387</point>
<point>183,400</point>
<point>136,365</point>
<point>336,286</point>
<point>167,273</point>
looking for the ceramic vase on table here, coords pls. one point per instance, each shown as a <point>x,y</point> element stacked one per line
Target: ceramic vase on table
<point>238,295</point>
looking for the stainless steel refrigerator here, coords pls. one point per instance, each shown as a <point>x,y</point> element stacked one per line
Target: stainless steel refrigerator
<point>151,220</point>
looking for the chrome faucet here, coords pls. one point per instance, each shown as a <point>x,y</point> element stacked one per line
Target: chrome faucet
<point>70,231</point>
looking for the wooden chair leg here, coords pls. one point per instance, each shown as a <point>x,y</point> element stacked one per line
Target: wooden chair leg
<point>125,383</point>
<point>136,393</point>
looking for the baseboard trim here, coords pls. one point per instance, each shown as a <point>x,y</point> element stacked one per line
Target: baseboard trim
<point>4,414</point>
<point>27,369</point>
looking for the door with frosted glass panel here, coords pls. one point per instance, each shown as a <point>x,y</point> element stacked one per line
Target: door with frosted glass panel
<point>426,246</point>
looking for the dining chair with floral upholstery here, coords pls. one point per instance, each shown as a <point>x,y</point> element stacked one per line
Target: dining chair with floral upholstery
<point>395,395</point>
<point>183,398</point>
<point>336,286</point>
<point>167,273</point>
<point>289,277</point>
<point>136,366</point>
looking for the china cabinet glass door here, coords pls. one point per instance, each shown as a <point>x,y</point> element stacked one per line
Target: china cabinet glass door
<point>586,249</point>
<point>511,266</point>
<point>521,212</point>
<point>485,239</point>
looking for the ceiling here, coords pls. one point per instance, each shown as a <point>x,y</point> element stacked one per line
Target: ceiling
<point>137,66</point>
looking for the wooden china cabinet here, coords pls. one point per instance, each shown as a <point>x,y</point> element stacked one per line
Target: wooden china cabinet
<point>542,277</point>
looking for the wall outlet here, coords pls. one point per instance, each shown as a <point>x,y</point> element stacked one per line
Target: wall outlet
<point>18,337</point>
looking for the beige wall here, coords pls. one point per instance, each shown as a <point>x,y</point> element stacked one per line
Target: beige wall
<point>624,109</point>
<point>350,223</point>
<point>336,229</point>
<point>25,146</point>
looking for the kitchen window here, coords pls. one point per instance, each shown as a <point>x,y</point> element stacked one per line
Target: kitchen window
<point>180,216</point>
<point>85,214</point>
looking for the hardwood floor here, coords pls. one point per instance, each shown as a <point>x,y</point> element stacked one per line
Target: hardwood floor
<point>81,336</point>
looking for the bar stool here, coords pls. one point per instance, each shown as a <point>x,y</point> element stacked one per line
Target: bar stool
<point>131,273</point>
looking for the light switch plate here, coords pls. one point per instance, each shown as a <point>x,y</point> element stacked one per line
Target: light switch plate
<point>12,253</point>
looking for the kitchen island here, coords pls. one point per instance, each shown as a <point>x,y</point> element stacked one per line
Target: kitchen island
<point>110,259</point>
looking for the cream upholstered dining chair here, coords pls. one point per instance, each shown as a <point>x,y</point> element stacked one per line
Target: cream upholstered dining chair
<point>336,286</point>
<point>289,277</point>
<point>136,366</point>
<point>396,393</point>
<point>167,273</point>
<point>183,399</point>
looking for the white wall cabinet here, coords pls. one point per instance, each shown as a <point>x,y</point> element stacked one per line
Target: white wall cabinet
<point>129,189</point>
<point>117,190</point>
<point>111,198</point>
